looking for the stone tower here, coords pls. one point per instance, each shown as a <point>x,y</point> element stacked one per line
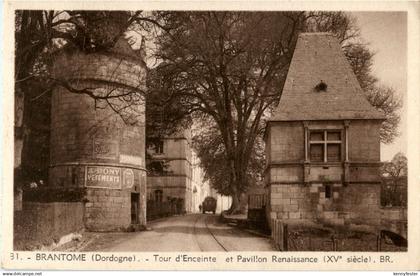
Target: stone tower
<point>92,147</point>
<point>322,143</point>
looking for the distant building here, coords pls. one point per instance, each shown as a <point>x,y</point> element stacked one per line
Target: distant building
<point>174,175</point>
<point>322,143</point>
<point>223,202</point>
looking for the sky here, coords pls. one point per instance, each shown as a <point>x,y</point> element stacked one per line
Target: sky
<point>386,33</point>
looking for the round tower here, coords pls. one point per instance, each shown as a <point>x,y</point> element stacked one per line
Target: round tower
<point>98,135</point>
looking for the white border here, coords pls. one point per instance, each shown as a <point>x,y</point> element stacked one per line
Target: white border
<point>402,260</point>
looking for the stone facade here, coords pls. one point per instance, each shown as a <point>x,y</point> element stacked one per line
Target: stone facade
<point>323,147</point>
<point>92,147</point>
<point>201,188</point>
<point>175,181</point>
<point>40,224</point>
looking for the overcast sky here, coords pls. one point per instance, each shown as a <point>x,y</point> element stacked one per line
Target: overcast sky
<point>386,32</point>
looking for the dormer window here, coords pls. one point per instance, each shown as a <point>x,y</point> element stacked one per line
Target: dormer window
<point>322,86</point>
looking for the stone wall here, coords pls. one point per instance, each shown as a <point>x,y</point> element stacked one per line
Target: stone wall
<point>172,186</point>
<point>110,209</point>
<point>176,148</point>
<point>41,224</point>
<point>332,193</point>
<point>179,166</point>
<point>394,219</point>
<point>286,174</point>
<point>364,141</point>
<point>354,204</point>
<point>81,130</point>
<point>290,202</point>
<point>286,142</point>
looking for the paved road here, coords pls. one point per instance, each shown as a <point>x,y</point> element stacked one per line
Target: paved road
<point>196,232</point>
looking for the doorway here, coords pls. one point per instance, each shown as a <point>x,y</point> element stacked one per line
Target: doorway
<point>135,207</point>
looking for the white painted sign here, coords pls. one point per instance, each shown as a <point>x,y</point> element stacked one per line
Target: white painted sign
<point>131,159</point>
<point>128,178</point>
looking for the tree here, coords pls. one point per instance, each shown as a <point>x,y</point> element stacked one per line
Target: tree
<point>165,114</point>
<point>39,36</point>
<point>228,66</point>
<point>394,178</point>
<point>231,66</point>
<point>360,57</point>
<point>396,168</point>
<point>210,150</point>
<point>385,99</point>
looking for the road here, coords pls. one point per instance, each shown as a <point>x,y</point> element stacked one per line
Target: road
<point>195,232</point>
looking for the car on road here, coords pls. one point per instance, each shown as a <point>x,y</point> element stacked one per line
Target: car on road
<point>209,205</point>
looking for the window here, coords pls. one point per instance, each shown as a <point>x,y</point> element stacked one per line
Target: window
<point>155,145</point>
<point>325,146</point>
<point>159,146</point>
<point>158,196</point>
<point>328,191</point>
<point>157,167</point>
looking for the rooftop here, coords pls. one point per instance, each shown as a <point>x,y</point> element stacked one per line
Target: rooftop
<point>321,85</point>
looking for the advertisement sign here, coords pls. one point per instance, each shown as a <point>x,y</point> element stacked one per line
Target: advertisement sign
<point>103,177</point>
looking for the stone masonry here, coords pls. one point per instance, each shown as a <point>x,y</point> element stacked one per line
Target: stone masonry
<point>91,146</point>
<point>322,143</point>
<point>176,182</point>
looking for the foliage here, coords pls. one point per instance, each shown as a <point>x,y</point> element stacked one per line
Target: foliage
<point>386,99</point>
<point>39,37</point>
<point>225,69</point>
<point>156,167</point>
<point>394,181</point>
<point>228,66</point>
<point>165,114</point>
<point>210,151</point>
<point>394,195</point>
<point>396,168</point>
<point>54,195</point>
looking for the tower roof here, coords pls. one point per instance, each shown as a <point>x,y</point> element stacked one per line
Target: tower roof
<point>321,85</point>
<point>122,47</point>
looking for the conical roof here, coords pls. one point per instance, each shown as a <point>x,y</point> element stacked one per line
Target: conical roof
<point>122,47</point>
<point>317,60</point>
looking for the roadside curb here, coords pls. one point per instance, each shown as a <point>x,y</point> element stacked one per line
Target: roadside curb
<point>256,233</point>
<point>238,223</point>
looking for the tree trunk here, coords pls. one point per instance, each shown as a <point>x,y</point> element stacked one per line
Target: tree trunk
<point>237,206</point>
<point>19,106</point>
<point>234,207</point>
<point>25,153</point>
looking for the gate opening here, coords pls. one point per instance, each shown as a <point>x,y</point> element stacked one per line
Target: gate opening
<point>135,207</point>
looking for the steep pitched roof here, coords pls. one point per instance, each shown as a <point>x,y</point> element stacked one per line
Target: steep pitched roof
<point>318,57</point>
